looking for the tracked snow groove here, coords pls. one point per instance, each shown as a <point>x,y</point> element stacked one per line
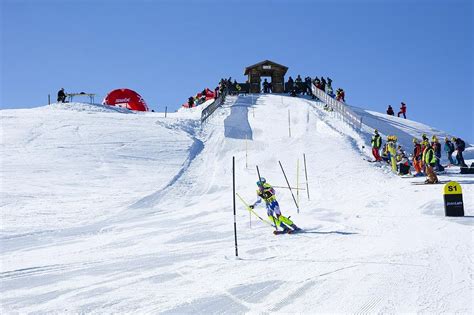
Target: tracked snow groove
<point>72,242</point>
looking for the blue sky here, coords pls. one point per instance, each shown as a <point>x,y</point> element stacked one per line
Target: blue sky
<point>380,52</point>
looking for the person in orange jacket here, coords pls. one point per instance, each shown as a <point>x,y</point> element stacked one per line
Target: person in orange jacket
<point>417,153</point>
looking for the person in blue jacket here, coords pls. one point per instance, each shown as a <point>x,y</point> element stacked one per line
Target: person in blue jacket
<point>449,149</point>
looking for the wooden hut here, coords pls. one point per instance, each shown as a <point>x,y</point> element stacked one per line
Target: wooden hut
<point>266,68</point>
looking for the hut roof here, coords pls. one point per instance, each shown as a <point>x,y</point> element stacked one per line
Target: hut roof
<point>265,62</point>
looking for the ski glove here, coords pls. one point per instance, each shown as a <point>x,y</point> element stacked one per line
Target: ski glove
<point>251,206</point>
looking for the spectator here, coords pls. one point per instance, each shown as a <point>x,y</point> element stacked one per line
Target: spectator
<point>449,149</point>
<point>429,159</point>
<point>190,102</point>
<point>417,164</point>
<point>376,144</point>
<point>307,82</point>
<point>460,146</point>
<point>323,84</point>
<point>340,95</point>
<point>403,164</point>
<point>293,91</point>
<point>437,151</point>
<point>299,84</point>
<point>238,88</point>
<point>317,83</point>
<point>266,86</point>
<point>290,84</point>
<point>329,82</point>
<point>329,89</point>
<point>390,111</point>
<point>62,96</point>
<point>392,150</point>
<point>403,110</point>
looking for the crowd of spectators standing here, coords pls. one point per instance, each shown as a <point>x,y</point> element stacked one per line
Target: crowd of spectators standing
<point>425,159</point>
<point>200,98</point>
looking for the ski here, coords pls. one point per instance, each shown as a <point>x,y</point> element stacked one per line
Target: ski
<point>288,232</point>
<point>277,232</point>
<point>423,183</point>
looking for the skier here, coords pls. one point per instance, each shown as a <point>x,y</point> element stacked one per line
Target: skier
<point>429,159</point>
<point>390,111</point>
<point>62,96</point>
<point>417,152</point>
<point>460,146</point>
<point>376,144</point>
<point>403,110</point>
<point>449,149</point>
<point>266,192</point>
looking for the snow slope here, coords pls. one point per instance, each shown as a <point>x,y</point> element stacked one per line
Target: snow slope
<point>114,211</point>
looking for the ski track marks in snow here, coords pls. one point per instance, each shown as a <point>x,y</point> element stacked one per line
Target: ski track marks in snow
<point>156,234</point>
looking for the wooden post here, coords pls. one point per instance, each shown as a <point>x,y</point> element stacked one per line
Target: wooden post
<point>166,110</point>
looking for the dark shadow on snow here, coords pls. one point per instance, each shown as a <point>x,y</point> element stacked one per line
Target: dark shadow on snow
<point>326,232</point>
<point>236,125</point>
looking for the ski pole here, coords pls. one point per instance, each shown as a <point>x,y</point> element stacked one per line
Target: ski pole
<point>289,187</point>
<point>247,206</point>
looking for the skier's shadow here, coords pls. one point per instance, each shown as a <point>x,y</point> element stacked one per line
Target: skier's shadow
<point>327,232</point>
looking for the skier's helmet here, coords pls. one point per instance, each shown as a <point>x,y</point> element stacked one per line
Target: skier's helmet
<point>261,181</point>
<point>376,131</point>
<point>415,140</point>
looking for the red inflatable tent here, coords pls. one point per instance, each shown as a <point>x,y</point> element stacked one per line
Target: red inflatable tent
<point>125,98</point>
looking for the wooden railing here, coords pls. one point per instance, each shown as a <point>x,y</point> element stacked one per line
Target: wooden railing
<point>341,110</point>
<point>209,110</point>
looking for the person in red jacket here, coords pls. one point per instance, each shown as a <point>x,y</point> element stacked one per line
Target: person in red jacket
<point>403,110</point>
